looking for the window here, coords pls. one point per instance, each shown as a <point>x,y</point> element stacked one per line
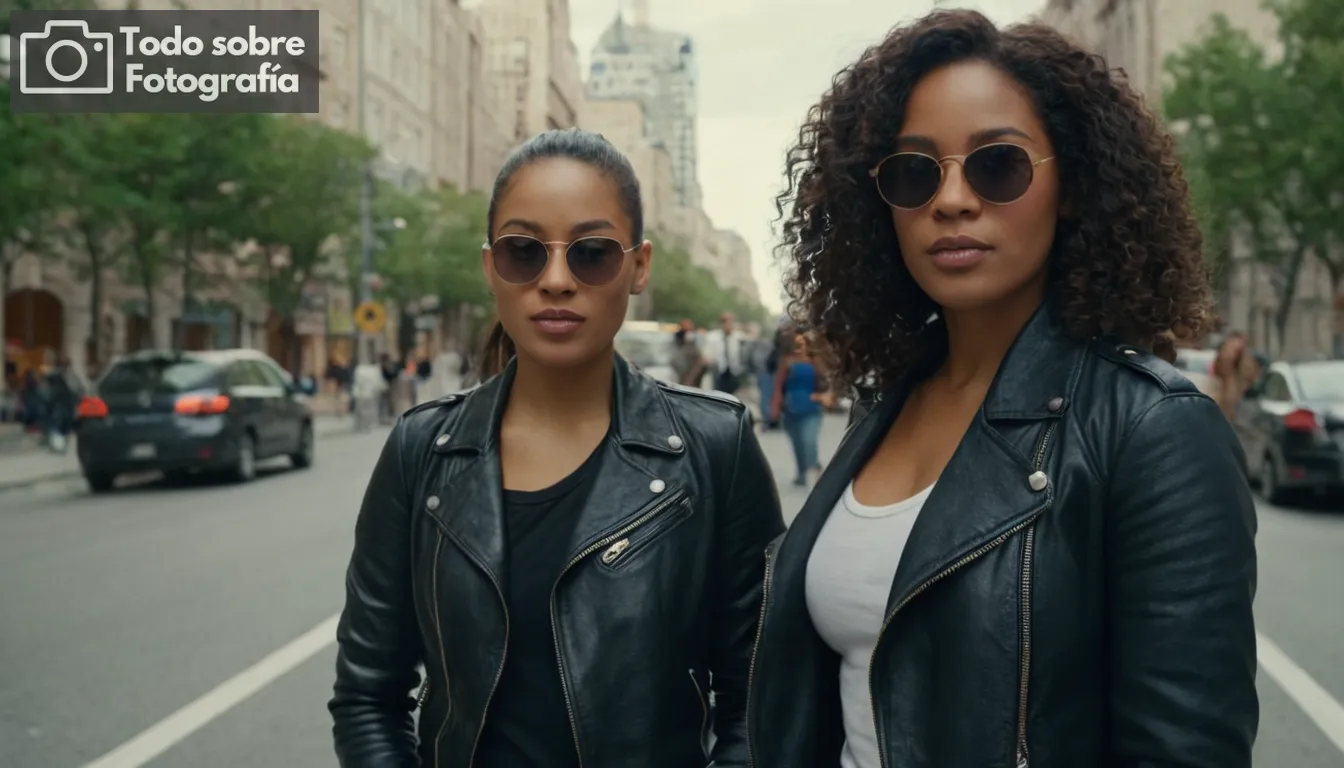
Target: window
<point>168,376</point>
<point>270,373</point>
<point>1276,388</point>
<point>243,374</point>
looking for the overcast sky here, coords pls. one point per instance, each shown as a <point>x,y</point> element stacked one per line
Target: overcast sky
<point>762,64</point>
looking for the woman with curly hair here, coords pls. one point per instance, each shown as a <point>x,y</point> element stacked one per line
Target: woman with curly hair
<point>1036,548</point>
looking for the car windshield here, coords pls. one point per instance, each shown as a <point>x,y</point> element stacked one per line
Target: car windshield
<point>1322,381</point>
<point>645,349</point>
<point>165,376</point>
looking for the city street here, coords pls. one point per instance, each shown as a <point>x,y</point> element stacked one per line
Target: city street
<point>194,625</point>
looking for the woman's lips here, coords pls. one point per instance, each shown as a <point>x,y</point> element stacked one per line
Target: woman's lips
<point>557,326</point>
<point>959,258</point>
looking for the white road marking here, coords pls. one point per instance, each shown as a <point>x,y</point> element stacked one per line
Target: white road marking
<point>161,736</point>
<point>1323,709</point>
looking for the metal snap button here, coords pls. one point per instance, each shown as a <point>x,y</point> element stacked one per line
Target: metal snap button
<point>674,443</point>
<point>1056,404</point>
<point>432,503</point>
<point>1037,481</point>
<point>443,440</point>
<point>657,486</point>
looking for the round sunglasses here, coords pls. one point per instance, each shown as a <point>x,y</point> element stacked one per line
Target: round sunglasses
<point>593,261</point>
<point>999,174</point>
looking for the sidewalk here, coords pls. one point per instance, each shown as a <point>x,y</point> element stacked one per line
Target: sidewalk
<point>21,466</point>
<point>775,444</point>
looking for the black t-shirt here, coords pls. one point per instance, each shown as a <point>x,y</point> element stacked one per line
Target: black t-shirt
<point>527,725</point>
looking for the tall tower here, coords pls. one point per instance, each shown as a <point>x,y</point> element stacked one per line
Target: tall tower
<point>639,13</point>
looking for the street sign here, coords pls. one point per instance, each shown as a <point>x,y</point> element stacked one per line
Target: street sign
<point>370,317</point>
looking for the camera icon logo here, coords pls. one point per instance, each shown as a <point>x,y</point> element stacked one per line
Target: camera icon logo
<point>42,47</point>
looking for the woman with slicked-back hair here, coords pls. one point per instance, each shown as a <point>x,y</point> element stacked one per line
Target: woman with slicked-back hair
<point>571,551</point>
<point>1035,547</point>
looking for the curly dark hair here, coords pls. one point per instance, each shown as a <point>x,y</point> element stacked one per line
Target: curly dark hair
<point>1127,266</point>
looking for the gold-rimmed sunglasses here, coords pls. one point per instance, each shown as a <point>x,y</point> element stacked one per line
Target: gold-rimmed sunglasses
<point>999,174</point>
<point>593,261</point>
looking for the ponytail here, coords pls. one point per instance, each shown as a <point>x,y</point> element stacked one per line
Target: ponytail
<point>496,352</point>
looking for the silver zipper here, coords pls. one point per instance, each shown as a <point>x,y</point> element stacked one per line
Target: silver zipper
<point>951,569</point>
<point>555,628</point>
<point>704,703</point>
<point>438,634</point>
<point>443,657</point>
<point>1028,561</point>
<point>755,647</point>
<point>424,692</point>
<point>615,551</point>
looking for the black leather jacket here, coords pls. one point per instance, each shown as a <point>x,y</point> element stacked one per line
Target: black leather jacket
<point>1076,591</point>
<point>684,482</point>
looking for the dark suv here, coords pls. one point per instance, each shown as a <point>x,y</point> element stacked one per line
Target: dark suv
<point>182,412</point>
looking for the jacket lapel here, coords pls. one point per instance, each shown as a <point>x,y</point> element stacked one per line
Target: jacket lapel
<point>995,483</point>
<point>983,495</point>
<point>639,461</point>
<point>470,490</point>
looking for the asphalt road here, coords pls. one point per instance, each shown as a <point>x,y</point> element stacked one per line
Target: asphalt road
<point>118,611</point>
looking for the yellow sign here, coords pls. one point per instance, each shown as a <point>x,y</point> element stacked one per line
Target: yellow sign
<point>370,317</point>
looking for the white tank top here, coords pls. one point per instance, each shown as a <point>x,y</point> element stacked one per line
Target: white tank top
<point>849,575</point>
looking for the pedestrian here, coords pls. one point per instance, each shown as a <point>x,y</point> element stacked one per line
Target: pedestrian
<point>725,350</point>
<point>1037,548</point>
<point>573,551</point>
<point>368,391</point>
<point>1233,373</point>
<point>63,393</point>
<point>798,401</point>
<point>688,363</point>
<point>775,348</point>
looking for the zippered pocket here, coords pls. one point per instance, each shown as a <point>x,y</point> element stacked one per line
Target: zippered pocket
<point>619,553</point>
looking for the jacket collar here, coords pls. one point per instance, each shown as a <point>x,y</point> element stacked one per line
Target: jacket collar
<point>638,474</point>
<point>641,417</point>
<point>1039,375</point>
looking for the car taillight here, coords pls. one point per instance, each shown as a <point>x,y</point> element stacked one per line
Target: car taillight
<point>1301,420</point>
<point>201,405</point>
<point>91,407</point>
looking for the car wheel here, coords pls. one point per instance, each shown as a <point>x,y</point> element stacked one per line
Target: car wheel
<point>245,467</point>
<point>1269,482</point>
<point>303,457</point>
<point>100,482</point>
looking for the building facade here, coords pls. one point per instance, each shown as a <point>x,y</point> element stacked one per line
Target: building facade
<point>426,101</point>
<point>1138,36</point>
<point>530,67</point>
<point>657,68</point>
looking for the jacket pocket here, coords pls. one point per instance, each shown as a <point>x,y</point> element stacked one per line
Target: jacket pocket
<point>617,555</point>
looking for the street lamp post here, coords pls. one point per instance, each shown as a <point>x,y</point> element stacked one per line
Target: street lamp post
<point>365,353</point>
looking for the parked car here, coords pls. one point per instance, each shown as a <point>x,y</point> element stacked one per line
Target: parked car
<point>1291,425</point>
<point>1197,365</point>
<point>184,412</point>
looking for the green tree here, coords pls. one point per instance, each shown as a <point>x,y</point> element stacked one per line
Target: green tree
<point>27,194</point>
<point>1258,142</point>
<point>92,202</point>
<point>682,290</point>
<point>300,195</point>
<point>438,252</point>
<point>214,154</point>
<point>1312,34</point>
<point>144,153</point>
